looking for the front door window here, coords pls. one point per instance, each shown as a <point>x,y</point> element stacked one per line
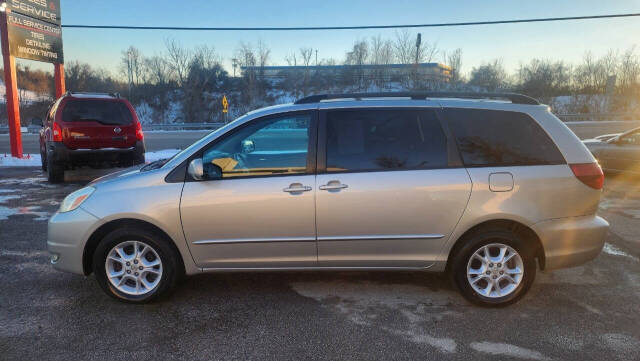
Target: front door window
<point>271,146</point>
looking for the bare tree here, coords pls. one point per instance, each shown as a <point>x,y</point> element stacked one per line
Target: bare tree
<point>357,57</point>
<point>381,56</point>
<point>454,60</point>
<point>490,76</point>
<point>158,70</point>
<point>179,59</point>
<point>629,70</point>
<point>544,79</point>
<point>404,46</point>
<point>305,55</point>
<point>246,56</point>
<point>263,54</point>
<point>132,67</point>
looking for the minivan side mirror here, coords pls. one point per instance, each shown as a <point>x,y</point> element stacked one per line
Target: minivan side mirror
<point>36,121</point>
<point>199,170</point>
<point>196,170</point>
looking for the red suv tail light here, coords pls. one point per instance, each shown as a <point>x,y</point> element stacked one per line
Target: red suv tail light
<point>139,133</point>
<point>589,174</point>
<point>56,132</point>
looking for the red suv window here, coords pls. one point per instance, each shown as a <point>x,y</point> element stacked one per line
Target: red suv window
<point>95,110</point>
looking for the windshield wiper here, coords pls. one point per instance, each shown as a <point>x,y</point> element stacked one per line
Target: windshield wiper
<point>154,165</point>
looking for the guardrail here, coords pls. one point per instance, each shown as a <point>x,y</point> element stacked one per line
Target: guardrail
<point>182,126</point>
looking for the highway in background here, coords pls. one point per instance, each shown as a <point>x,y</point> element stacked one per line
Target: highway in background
<point>159,140</point>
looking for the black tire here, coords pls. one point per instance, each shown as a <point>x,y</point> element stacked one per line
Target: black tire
<point>55,171</point>
<point>172,270</point>
<point>138,157</point>
<point>474,242</point>
<point>43,161</point>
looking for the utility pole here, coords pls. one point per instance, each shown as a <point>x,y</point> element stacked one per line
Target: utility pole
<point>416,74</point>
<point>235,64</point>
<point>418,42</point>
<point>316,57</point>
<point>129,65</point>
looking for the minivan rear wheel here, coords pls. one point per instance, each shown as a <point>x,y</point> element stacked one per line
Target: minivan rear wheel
<point>135,265</point>
<point>494,268</point>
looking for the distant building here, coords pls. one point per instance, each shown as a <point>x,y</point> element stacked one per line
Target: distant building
<point>427,71</point>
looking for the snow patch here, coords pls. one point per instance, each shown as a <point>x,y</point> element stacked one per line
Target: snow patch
<point>4,199</point>
<point>443,344</point>
<point>23,254</point>
<point>615,251</point>
<point>364,302</point>
<point>505,349</point>
<point>160,154</point>
<point>621,343</point>
<point>6,212</point>
<point>28,160</point>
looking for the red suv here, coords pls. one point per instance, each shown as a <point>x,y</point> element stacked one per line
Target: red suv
<point>89,129</point>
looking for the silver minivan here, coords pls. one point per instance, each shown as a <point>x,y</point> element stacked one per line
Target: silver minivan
<point>487,187</point>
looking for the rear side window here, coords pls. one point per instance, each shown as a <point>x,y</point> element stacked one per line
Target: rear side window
<point>501,138</point>
<point>370,140</point>
<point>93,110</point>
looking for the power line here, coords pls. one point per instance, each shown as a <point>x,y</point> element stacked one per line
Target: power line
<point>471,23</point>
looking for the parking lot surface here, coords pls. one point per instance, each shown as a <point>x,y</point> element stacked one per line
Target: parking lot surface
<point>590,312</point>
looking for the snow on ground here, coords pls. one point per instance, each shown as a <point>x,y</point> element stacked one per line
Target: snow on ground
<point>28,160</point>
<point>160,154</point>
<point>33,160</point>
<point>26,96</point>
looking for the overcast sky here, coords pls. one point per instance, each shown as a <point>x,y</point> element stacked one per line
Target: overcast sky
<point>513,43</point>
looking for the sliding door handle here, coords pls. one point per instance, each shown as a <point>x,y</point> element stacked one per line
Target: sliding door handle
<point>333,185</point>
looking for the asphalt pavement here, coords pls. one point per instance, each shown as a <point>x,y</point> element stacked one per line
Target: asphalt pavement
<point>159,140</point>
<point>591,312</point>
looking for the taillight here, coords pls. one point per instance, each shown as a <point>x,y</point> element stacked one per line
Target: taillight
<point>139,133</point>
<point>57,132</point>
<point>589,174</point>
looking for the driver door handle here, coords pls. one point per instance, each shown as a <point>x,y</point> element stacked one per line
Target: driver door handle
<point>333,185</point>
<point>297,188</point>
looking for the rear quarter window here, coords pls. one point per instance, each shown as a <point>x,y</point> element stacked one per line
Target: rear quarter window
<point>500,138</point>
<point>95,110</point>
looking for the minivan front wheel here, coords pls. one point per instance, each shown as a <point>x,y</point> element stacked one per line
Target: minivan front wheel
<point>494,268</point>
<point>135,265</point>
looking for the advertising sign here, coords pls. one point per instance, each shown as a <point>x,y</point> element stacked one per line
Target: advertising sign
<point>34,39</point>
<point>45,10</point>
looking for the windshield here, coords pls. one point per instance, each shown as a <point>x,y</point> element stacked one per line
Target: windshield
<point>96,110</point>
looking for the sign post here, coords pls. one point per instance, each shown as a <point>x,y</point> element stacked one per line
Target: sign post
<point>225,107</point>
<point>29,29</point>
<point>11,83</point>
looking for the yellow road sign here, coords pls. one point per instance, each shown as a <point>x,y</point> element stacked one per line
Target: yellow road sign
<point>225,104</point>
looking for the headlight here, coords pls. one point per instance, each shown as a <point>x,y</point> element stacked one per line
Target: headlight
<point>75,199</point>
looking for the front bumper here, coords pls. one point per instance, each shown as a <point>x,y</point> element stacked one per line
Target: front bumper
<point>67,235</point>
<point>571,241</point>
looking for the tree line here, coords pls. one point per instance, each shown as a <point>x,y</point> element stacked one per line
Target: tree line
<point>180,84</point>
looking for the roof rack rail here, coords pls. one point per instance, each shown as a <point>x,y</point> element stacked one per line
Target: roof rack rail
<point>513,97</point>
<point>115,95</point>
